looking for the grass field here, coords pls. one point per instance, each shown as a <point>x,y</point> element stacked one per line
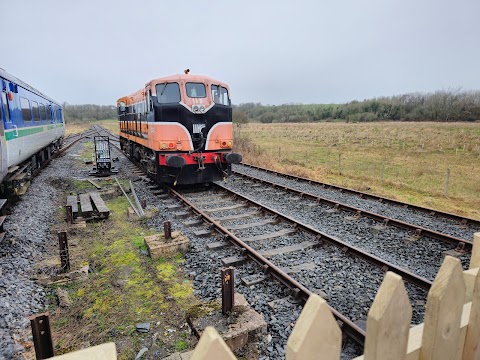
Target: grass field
<point>405,161</point>
<point>80,126</point>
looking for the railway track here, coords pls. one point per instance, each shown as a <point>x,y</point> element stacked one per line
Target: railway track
<point>417,231</point>
<point>279,245</point>
<point>444,222</point>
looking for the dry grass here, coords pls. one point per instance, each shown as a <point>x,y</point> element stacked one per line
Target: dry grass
<point>81,126</point>
<point>406,161</point>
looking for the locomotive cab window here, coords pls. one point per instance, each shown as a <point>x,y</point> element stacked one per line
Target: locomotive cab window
<point>196,90</point>
<point>168,93</point>
<point>25,103</point>
<point>36,116</point>
<point>220,95</point>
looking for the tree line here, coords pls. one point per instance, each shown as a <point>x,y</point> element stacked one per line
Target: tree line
<point>443,105</point>
<point>88,112</point>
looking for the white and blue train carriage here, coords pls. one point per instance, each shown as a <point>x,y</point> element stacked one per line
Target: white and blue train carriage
<point>32,124</point>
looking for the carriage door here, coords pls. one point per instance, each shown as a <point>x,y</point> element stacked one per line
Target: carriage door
<point>59,125</point>
<point>5,117</point>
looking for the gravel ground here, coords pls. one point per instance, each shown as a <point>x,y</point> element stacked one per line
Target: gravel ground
<point>422,257</point>
<point>29,241</point>
<point>28,227</point>
<point>418,218</point>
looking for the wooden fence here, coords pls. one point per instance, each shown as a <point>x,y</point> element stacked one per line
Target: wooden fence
<point>451,329</point>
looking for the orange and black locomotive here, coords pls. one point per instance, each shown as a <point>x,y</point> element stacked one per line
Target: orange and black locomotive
<point>180,129</point>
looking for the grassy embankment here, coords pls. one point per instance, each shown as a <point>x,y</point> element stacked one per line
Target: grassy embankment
<point>124,287</point>
<point>413,158</point>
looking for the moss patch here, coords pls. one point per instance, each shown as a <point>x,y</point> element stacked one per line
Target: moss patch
<point>125,288</point>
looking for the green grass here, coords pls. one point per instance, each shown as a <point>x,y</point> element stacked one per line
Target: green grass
<point>407,161</point>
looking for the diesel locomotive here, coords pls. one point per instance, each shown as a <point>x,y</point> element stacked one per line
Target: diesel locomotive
<point>32,128</point>
<point>179,128</point>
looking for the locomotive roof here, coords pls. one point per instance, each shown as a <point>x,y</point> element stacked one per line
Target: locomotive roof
<point>7,76</point>
<point>186,77</point>
<point>140,94</point>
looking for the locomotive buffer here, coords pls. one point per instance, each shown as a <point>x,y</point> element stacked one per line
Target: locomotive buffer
<point>103,161</point>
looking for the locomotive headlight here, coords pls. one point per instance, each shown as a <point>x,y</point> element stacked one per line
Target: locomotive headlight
<point>202,109</point>
<point>195,108</point>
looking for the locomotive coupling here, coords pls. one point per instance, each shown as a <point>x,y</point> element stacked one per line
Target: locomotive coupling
<point>176,161</point>
<point>233,158</point>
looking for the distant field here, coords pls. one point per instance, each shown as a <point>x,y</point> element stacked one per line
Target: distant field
<point>80,126</point>
<point>406,161</point>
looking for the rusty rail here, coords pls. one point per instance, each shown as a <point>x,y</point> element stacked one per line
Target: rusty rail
<point>321,236</point>
<point>419,231</point>
<point>353,330</point>
<point>461,220</point>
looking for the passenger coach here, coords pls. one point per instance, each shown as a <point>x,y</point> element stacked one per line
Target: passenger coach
<point>32,125</point>
<point>180,129</point>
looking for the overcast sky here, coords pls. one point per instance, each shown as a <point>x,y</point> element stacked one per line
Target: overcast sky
<point>272,52</point>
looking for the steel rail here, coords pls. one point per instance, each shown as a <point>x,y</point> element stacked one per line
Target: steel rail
<point>353,330</point>
<point>321,236</point>
<point>461,219</point>
<point>419,231</point>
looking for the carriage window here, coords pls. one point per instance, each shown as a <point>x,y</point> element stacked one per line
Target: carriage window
<point>196,90</point>
<point>220,95</point>
<point>36,116</point>
<point>49,112</point>
<point>6,110</point>
<point>27,115</point>
<point>168,93</point>
<point>59,116</point>
<point>43,115</point>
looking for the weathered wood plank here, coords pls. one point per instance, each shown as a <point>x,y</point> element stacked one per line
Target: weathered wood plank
<point>86,204</point>
<point>225,208</point>
<point>105,351</point>
<point>471,349</point>
<point>251,225</point>
<point>475,258</point>
<point>99,204</point>
<point>388,321</point>
<point>316,334</point>
<point>269,236</point>
<point>416,333</point>
<point>72,201</point>
<point>211,346</point>
<point>469,277</point>
<point>287,249</point>
<point>236,217</point>
<point>443,312</point>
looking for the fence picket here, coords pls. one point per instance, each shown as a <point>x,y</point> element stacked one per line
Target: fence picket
<point>471,349</point>
<point>316,333</point>
<point>388,321</point>
<point>475,258</point>
<point>469,277</point>
<point>443,312</point>
<point>212,346</point>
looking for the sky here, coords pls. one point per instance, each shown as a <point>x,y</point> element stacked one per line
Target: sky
<point>273,52</point>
